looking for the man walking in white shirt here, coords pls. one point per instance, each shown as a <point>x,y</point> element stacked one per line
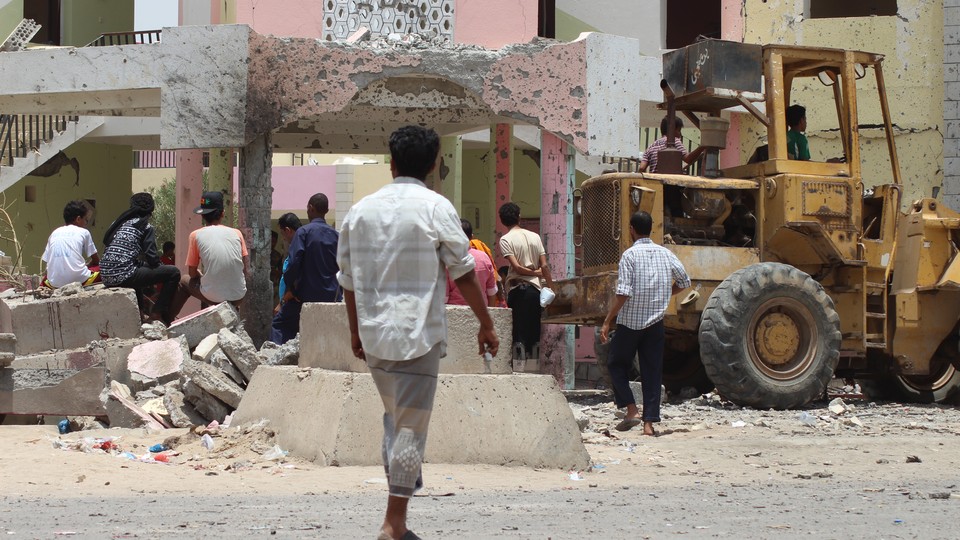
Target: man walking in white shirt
<point>393,248</point>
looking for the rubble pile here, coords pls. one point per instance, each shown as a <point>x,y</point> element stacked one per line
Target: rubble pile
<point>189,374</point>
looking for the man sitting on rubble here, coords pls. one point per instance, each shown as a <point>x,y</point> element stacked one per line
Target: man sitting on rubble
<point>130,259</point>
<point>222,253</point>
<point>68,248</point>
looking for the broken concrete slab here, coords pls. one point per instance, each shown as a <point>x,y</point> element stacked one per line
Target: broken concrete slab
<point>182,414</point>
<point>287,354</point>
<point>220,361</point>
<point>118,414</point>
<point>208,406</point>
<point>214,381</point>
<point>205,348</point>
<point>241,352</point>
<point>159,360</point>
<point>522,420</point>
<point>115,353</point>
<point>66,392</point>
<point>325,341</point>
<point>205,322</point>
<point>69,322</point>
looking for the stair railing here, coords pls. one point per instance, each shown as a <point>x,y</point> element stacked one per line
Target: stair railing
<point>140,37</point>
<point>22,133</point>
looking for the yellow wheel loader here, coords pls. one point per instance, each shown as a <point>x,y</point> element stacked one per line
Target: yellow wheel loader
<point>801,270</point>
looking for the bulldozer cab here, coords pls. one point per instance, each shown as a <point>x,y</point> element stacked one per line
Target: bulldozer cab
<point>712,76</point>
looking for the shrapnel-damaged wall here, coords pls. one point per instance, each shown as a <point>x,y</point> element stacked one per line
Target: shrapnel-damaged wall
<point>912,43</point>
<point>545,83</point>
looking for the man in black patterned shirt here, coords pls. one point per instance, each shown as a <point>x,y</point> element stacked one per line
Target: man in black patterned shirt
<point>130,258</point>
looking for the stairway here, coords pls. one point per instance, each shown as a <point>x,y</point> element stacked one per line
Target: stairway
<point>29,141</point>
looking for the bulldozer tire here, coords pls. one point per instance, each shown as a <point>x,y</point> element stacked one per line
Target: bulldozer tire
<point>770,337</point>
<point>941,385</point>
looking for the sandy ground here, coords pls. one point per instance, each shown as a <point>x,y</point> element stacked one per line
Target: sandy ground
<point>716,471</point>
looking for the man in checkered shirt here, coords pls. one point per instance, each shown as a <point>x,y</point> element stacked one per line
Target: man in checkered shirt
<point>648,276</point>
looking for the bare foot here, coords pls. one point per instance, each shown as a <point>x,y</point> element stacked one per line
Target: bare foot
<point>648,429</point>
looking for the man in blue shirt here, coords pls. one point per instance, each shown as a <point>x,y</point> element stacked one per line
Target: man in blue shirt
<point>311,273</point>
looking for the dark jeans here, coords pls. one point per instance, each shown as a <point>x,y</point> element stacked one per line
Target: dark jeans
<point>166,275</point>
<point>648,343</point>
<point>524,300</point>
<point>286,323</point>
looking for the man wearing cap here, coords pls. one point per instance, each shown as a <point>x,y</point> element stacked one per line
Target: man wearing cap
<point>221,252</point>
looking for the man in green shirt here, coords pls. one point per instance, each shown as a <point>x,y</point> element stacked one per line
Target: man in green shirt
<point>797,147</point>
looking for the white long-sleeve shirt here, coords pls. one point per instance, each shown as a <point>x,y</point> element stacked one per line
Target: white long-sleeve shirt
<point>394,246</point>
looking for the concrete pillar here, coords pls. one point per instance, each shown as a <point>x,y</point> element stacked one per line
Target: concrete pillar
<point>502,142</point>
<point>189,191</point>
<point>557,177</point>
<point>256,198</point>
<point>731,28</point>
<point>450,171</point>
<point>220,178</point>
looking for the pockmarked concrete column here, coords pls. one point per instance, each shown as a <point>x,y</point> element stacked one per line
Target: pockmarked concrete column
<point>256,199</point>
<point>557,176</point>
<point>450,171</point>
<point>220,178</point>
<point>189,191</point>
<point>502,142</point>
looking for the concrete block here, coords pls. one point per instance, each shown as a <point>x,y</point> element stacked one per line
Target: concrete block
<point>8,349</point>
<point>160,360</point>
<point>325,340</point>
<point>205,348</point>
<point>206,405</point>
<point>65,392</point>
<point>520,420</point>
<point>214,381</point>
<point>362,34</point>
<point>69,322</point>
<point>204,322</point>
<point>241,352</point>
<point>182,414</point>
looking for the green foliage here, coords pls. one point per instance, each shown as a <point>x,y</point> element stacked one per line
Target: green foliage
<point>164,217</point>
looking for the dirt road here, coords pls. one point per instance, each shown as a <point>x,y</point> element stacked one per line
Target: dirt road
<point>716,471</point>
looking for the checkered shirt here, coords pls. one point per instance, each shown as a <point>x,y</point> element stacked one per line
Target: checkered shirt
<point>647,274</point>
<point>650,154</point>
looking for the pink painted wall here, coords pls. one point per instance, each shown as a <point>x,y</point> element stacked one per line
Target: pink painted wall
<point>287,18</point>
<point>293,186</point>
<point>494,23</point>
<point>732,23</point>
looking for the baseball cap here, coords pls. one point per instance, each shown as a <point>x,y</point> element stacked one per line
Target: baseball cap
<point>210,202</point>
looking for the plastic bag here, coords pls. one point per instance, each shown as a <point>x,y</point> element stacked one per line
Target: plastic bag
<point>546,296</point>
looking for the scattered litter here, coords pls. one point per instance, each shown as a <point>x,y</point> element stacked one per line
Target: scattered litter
<point>738,424</point>
<point>807,419</point>
<point>913,459</point>
<point>375,481</point>
<point>158,448</point>
<point>207,441</point>
<point>63,426</point>
<point>575,476</point>
<point>837,406</point>
<point>275,453</point>
<point>898,522</point>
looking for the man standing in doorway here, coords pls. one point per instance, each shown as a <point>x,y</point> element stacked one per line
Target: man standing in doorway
<point>311,274</point>
<point>222,253</point>
<point>649,275</point>
<point>524,251</point>
<point>394,246</point>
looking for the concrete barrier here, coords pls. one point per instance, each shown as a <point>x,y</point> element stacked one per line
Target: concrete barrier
<point>68,322</point>
<point>336,418</point>
<point>325,340</point>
